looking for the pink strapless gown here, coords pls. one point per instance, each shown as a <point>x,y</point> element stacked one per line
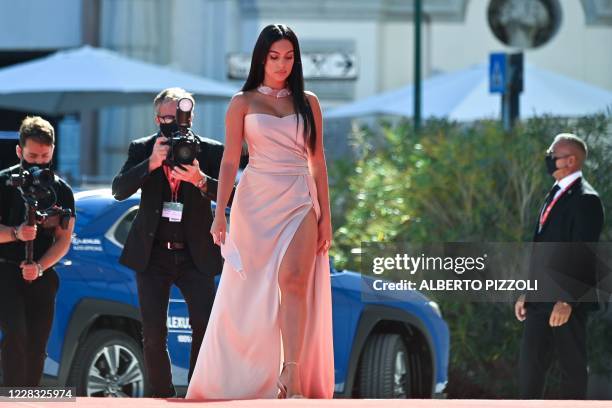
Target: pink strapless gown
<point>240,356</point>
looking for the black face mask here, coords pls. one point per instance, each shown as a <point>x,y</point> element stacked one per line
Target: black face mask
<point>26,165</point>
<point>168,129</point>
<point>551,164</point>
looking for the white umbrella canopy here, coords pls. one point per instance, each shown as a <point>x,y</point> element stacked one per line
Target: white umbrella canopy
<point>464,96</point>
<point>90,78</point>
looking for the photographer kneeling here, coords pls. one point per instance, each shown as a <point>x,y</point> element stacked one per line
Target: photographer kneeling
<point>27,290</point>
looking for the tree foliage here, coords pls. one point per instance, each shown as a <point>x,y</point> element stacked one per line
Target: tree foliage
<point>454,182</point>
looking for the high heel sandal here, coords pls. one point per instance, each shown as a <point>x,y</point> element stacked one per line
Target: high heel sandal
<point>283,389</point>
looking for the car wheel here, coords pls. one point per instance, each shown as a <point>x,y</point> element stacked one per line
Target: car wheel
<point>108,364</point>
<point>384,370</point>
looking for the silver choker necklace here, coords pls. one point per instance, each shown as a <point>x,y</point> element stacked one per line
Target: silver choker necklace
<point>277,93</point>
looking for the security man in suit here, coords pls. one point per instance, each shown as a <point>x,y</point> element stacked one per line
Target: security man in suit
<point>168,242</point>
<point>555,320</point>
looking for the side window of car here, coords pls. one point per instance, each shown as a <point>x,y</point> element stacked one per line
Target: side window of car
<point>123,227</point>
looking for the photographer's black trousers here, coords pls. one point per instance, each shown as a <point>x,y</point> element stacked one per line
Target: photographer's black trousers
<point>165,269</point>
<point>26,316</point>
<point>540,343</point>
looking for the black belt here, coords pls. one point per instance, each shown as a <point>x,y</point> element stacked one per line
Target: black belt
<point>170,245</point>
<point>9,261</point>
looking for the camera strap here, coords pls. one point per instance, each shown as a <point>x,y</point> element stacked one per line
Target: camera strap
<point>175,184</point>
<point>172,210</point>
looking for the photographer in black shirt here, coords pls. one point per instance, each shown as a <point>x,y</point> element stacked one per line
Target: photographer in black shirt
<point>27,290</point>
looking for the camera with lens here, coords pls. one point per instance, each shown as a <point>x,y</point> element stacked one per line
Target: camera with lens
<point>184,145</point>
<point>34,183</point>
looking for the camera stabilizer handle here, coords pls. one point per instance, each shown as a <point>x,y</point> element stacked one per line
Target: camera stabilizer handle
<point>31,210</point>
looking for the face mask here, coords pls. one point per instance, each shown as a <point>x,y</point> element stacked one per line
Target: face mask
<point>168,129</point>
<point>27,165</point>
<point>551,164</point>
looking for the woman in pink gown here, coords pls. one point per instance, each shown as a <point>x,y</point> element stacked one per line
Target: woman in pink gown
<point>270,331</point>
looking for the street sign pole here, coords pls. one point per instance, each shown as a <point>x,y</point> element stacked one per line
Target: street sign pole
<point>418,10</point>
<point>515,87</point>
<point>505,111</point>
<point>506,78</point>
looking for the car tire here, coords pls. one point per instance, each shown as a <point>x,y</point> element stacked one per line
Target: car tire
<point>109,364</point>
<point>383,370</point>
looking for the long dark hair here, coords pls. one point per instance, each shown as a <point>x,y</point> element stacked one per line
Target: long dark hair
<point>268,36</point>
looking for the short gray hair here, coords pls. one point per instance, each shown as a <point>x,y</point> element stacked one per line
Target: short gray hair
<point>171,94</point>
<point>574,140</point>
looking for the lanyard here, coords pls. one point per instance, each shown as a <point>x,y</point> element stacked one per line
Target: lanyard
<point>174,183</point>
<point>548,209</point>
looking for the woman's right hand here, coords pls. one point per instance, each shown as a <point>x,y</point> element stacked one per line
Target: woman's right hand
<point>218,229</point>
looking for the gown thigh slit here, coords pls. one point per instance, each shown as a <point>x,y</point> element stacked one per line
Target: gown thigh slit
<point>240,356</point>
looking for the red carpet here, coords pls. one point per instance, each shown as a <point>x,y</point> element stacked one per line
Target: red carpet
<point>338,403</point>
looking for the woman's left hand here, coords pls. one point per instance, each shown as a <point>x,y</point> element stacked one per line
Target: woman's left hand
<point>325,235</point>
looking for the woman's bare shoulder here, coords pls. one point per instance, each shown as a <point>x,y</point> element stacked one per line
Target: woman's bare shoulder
<point>312,99</point>
<point>311,95</point>
<point>240,102</point>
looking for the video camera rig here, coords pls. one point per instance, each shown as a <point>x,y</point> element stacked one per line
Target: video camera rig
<point>35,184</point>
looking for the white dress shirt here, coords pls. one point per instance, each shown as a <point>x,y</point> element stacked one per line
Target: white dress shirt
<point>566,181</point>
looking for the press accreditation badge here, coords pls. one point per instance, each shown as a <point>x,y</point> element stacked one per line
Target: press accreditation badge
<point>173,211</point>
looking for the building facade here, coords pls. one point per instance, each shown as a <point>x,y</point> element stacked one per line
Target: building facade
<point>351,48</point>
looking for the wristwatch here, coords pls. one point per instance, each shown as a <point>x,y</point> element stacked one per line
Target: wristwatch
<point>40,269</point>
<point>14,230</point>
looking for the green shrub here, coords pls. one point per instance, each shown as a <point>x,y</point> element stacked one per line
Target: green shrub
<point>463,183</point>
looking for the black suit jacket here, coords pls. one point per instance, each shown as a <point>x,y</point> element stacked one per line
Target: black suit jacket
<point>562,261</point>
<point>197,214</point>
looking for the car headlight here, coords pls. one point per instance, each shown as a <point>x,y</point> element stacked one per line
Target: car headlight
<point>436,308</point>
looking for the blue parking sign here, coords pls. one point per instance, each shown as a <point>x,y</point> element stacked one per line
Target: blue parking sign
<point>497,73</point>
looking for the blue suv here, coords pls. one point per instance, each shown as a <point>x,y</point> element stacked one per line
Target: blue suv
<point>382,349</point>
